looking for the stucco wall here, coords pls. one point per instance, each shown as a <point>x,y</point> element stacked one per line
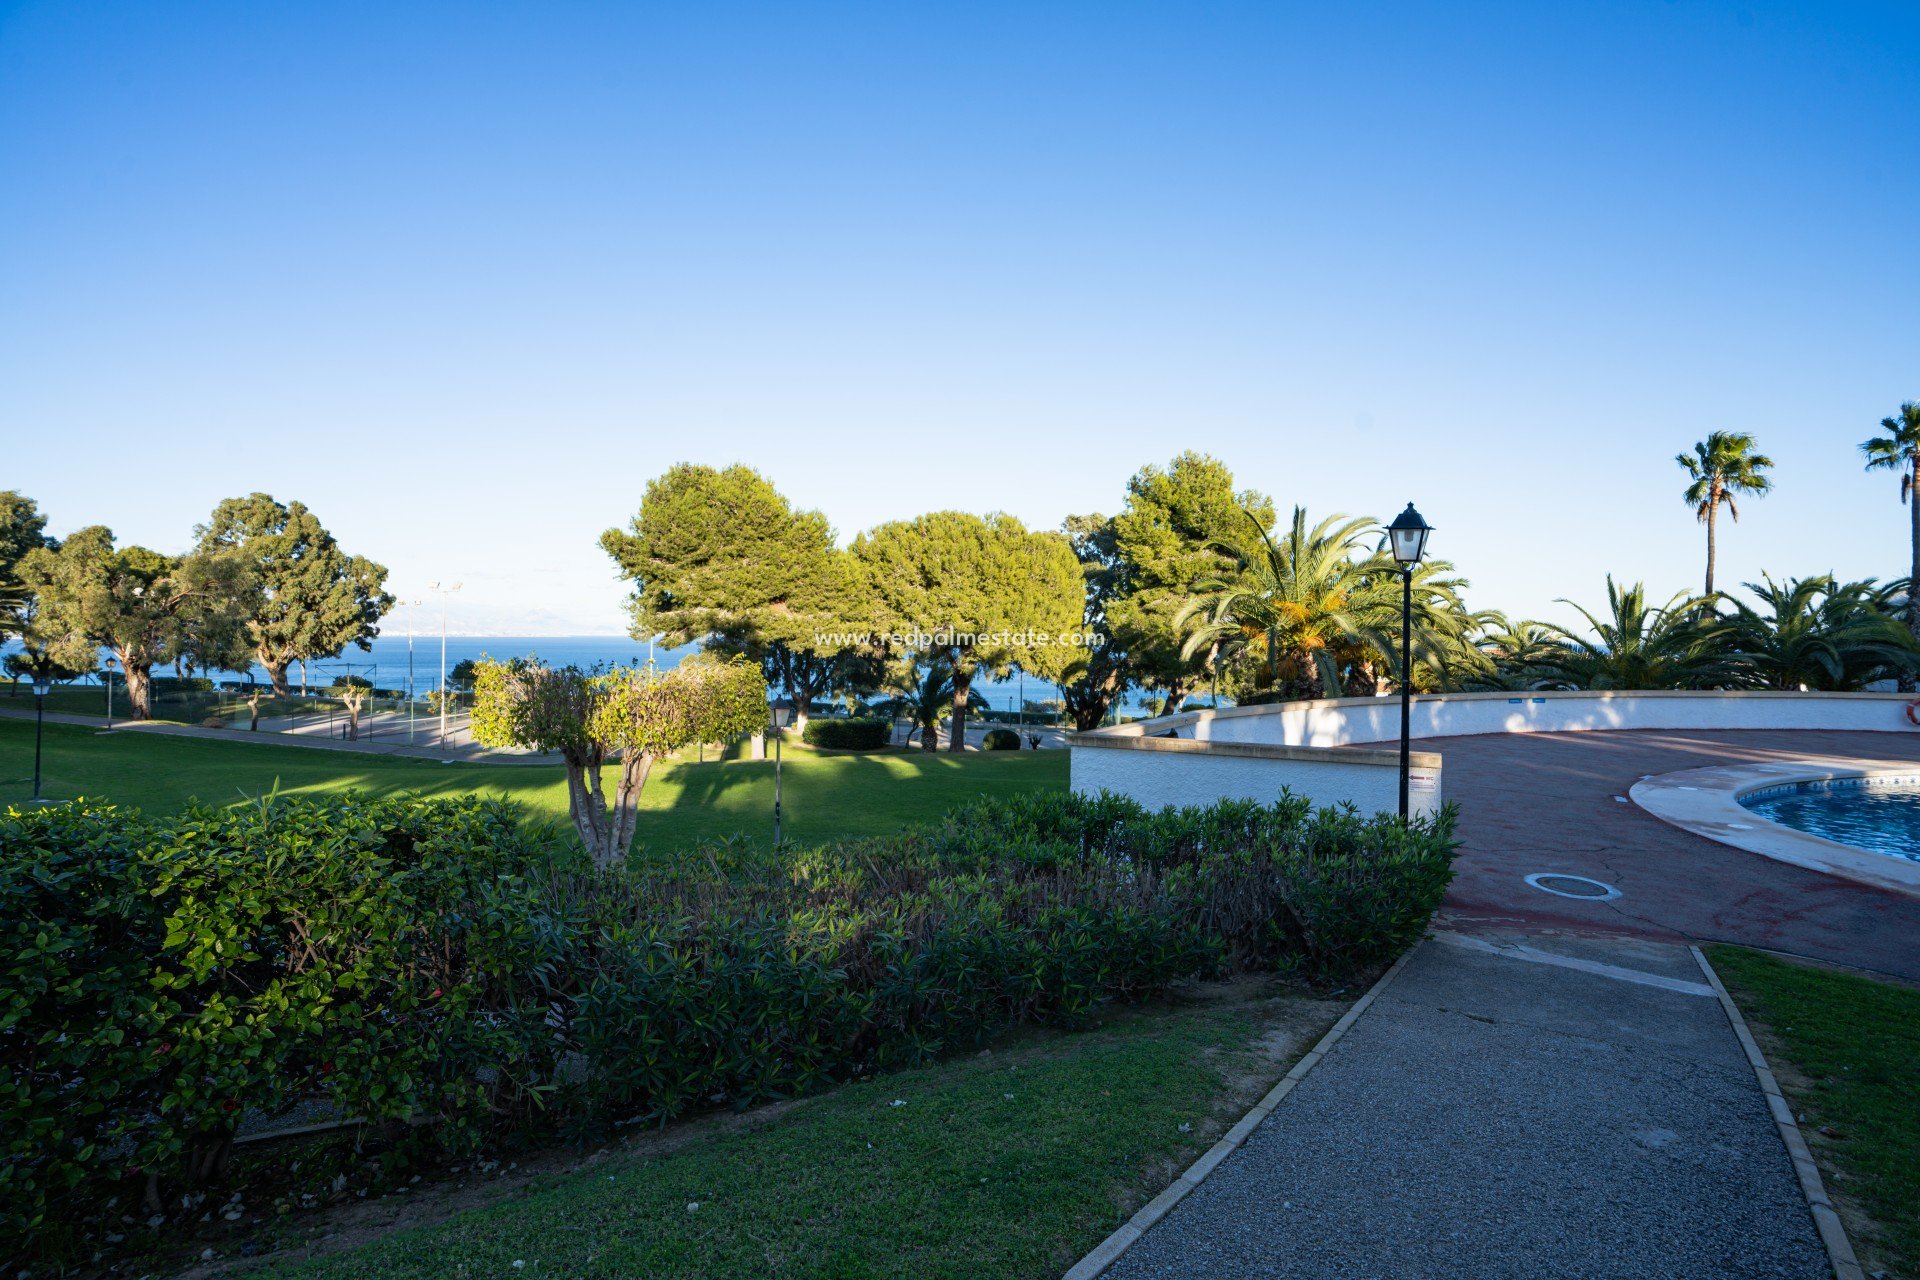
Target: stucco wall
<point>1160,777</point>
<point>1342,721</point>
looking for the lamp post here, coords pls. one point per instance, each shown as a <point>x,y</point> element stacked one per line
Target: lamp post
<point>108,663</point>
<point>42,683</point>
<point>1408,535</point>
<point>443,593</point>
<point>782,713</point>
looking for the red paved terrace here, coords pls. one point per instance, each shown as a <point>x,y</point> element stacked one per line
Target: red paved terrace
<point>1546,802</point>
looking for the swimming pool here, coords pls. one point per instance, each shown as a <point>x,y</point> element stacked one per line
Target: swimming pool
<point>1881,814</point>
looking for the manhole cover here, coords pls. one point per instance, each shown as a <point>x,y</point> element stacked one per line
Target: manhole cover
<point>1566,886</point>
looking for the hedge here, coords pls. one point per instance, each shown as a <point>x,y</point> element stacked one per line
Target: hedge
<point>847,735</point>
<point>423,960</point>
<point>1000,740</point>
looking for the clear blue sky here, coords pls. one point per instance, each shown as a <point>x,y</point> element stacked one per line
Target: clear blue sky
<point>462,277</point>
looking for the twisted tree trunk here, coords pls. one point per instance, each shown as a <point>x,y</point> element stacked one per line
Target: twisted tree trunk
<point>962,687</point>
<point>139,688</point>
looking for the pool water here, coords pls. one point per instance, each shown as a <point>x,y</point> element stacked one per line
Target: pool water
<point>1884,817</point>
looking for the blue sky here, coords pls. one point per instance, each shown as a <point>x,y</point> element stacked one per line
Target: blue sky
<point>463,277</point>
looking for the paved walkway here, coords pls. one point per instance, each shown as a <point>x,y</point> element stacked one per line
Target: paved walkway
<point>1548,1089</point>
<point>1493,1117</point>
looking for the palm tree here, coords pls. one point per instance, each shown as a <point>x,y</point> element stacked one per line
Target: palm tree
<point>1506,654</point>
<point>1682,644</point>
<point>1320,606</point>
<point>1722,465</point>
<point>1899,450</point>
<point>1821,634</point>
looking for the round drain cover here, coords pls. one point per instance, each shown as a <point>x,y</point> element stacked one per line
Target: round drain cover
<point>1565,886</point>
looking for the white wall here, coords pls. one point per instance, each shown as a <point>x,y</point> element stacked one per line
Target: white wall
<point>1157,778</point>
<point>1341,721</point>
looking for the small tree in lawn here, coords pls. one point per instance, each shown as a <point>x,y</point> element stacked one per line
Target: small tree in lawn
<point>591,718</point>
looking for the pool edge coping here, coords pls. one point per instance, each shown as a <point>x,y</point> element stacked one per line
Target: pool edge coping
<point>1706,802</point>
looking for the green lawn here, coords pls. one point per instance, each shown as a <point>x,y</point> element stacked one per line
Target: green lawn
<point>1006,1164</point>
<point>824,795</point>
<point>1847,1050</point>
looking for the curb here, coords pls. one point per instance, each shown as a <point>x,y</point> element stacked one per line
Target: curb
<point>1107,1251</point>
<point>1832,1234</point>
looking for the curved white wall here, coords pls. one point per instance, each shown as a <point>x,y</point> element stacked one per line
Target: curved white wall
<point>1338,722</point>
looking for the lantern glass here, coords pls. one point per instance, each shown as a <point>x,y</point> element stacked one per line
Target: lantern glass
<point>42,686</point>
<point>1408,536</point>
<point>782,713</point>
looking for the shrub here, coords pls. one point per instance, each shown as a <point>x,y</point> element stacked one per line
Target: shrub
<point>412,960</point>
<point>847,735</point>
<point>1000,740</point>
<point>163,978</point>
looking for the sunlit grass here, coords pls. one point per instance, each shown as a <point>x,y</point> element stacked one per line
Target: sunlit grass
<point>824,796</point>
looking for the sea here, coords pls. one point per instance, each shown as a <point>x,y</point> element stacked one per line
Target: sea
<point>395,662</point>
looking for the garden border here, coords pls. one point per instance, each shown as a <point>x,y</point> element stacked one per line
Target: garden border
<point>1104,1254</point>
<point>1833,1234</point>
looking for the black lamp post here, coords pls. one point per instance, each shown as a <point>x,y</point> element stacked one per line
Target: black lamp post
<point>782,714</point>
<point>1408,535</point>
<point>42,683</point>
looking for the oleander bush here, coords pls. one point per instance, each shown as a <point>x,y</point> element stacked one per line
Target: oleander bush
<point>847,734</point>
<point>418,960</point>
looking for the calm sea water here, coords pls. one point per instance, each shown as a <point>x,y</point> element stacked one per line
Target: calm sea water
<point>388,664</point>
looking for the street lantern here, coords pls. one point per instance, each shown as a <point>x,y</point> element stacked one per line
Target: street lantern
<point>42,685</point>
<point>782,717</point>
<point>1408,534</point>
<point>108,664</point>
<point>1408,538</point>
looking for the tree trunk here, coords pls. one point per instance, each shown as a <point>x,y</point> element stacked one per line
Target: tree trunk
<point>634,768</point>
<point>1906,681</point>
<point>1176,694</point>
<point>962,687</point>
<point>1713,511</point>
<point>139,680</point>
<point>276,672</point>
<point>929,731</point>
<point>586,805</point>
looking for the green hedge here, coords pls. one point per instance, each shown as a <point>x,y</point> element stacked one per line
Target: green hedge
<point>1000,740</point>
<point>423,960</point>
<point>847,735</point>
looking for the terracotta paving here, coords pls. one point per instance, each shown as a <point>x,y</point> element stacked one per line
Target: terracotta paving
<point>1546,802</point>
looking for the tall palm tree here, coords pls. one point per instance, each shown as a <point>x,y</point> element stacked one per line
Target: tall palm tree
<point>1899,450</point>
<point>1721,466</point>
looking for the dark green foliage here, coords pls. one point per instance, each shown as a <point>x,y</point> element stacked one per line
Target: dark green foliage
<point>161,979</point>
<point>847,735</point>
<point>1000,740</point>
<point>410,959</point>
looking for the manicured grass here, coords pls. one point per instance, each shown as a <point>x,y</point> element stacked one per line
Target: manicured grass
<point>1851,1050</point>
<point>825,795</point>
<point>1006,1164</point>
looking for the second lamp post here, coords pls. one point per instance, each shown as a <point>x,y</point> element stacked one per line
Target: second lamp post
<point>782,713</point>
<point>1408,535</point>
